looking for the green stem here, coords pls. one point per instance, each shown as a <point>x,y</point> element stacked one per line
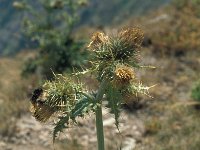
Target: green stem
<point>99,119</point>
<point>99,127</point>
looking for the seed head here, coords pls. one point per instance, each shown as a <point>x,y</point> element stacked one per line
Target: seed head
<point>59,95</point>
<point>132,35</point>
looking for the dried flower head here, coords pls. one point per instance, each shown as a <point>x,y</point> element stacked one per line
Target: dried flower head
<point>123,47</point>
<point>97,39</point>
<point>133,35</point>
<point>123,75</point>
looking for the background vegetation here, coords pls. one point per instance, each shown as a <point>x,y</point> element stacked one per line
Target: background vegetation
<point>50,28</point>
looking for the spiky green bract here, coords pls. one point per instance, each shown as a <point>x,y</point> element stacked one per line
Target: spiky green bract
<point>62,93</point>
<point>116,49</point>
<point>114,102</point>
<point>60,125</point>
<point>138,88</point>
<point>122,48</point>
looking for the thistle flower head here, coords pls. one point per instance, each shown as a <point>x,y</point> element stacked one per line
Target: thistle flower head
<point>110,50</point>
<point>58,95</point>
<point>120,47</point>
<point>123,75</point>
<point>133,35</point>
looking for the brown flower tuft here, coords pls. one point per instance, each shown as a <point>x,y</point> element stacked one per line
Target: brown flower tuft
<point>123,75</point>
<point>134,35</point>
<point>97,39</point>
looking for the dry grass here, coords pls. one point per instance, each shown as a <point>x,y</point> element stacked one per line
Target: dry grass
<point>171,118</point>
<point>13,94</point>
<point>178,129</point>
<point>66,144</point>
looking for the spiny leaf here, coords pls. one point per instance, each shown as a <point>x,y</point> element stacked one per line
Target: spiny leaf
<point>114,101</point>
<point>60,125</point>
<point>81,108</point>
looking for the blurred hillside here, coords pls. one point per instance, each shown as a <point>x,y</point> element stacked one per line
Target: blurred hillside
<point>114,11</point>
<point>97,13</point>
<point>9,28</point>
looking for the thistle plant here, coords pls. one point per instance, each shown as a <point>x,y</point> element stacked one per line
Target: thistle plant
<point>49,25</point>
<point>114,60</point>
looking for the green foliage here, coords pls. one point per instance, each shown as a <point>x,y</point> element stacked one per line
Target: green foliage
<point>60,125</point>
<point>196,91</point>
<point>64,92</point>
<point>114,103</point>
<point>50,28</point>
<point>80,109</point>
<point>65,97</point>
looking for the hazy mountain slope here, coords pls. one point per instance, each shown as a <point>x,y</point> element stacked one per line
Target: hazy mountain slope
<point>106,12</point>
<point>10,38</point>
<point>98,12</point>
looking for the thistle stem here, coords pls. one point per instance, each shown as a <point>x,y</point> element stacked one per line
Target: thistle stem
<point>99,119</point>
<point>99,127</point>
